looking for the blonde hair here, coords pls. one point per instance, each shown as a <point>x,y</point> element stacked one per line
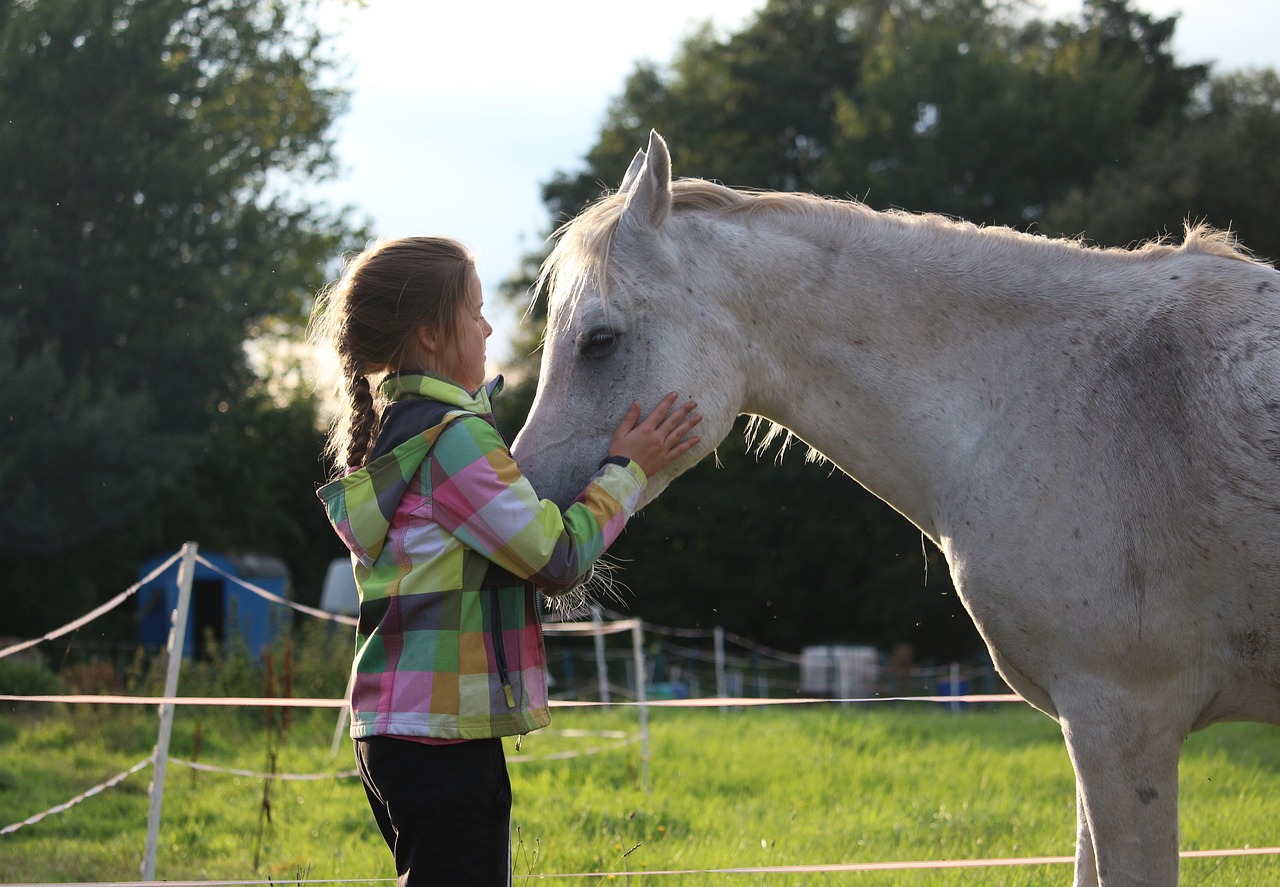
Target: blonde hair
<point>369,317</point>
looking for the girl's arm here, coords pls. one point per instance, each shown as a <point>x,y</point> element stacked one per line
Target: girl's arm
<point>479,494</point>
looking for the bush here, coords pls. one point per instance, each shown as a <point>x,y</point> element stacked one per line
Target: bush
<point>19,677</point>
<point>312,660</point>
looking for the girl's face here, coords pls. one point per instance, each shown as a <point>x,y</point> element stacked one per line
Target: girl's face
<point>462,360</point>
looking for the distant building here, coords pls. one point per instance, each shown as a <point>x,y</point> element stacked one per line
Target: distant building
<point>222,609</point>
<point>339,595</point>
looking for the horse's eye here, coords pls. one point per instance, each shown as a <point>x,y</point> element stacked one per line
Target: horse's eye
<point>597,343</point>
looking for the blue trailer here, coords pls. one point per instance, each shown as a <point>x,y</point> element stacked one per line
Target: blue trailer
<point>222,609</point>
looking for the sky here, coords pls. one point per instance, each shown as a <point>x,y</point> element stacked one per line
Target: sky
<point>460,112</point>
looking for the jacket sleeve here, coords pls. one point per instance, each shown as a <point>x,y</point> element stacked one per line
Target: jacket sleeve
<point>479,495</point>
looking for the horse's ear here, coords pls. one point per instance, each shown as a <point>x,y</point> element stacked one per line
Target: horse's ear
<point>649,193</point>
<point>633,171</point>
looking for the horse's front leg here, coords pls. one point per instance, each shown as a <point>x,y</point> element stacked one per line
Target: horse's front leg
<point>1125,753</point>
<point>1086,861</point>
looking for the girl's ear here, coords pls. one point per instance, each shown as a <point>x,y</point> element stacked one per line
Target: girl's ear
<point>427,339</point>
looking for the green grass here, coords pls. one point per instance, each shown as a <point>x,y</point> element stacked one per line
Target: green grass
<point>755,787</point>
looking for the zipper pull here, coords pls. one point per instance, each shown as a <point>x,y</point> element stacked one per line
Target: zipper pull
<point>511,699</point>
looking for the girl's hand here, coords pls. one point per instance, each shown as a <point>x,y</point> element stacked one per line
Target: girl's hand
<point>660,438</point>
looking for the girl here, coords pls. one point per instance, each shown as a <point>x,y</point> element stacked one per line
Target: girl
<point>449,542</point>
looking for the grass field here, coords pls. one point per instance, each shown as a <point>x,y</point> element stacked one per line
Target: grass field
<point>748,788</point>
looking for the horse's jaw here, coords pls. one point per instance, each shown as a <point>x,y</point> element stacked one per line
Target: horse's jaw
<point>560,466</point>
<point>565,440</point>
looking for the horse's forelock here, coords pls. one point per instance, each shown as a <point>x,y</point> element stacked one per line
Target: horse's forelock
<point>580,258</point>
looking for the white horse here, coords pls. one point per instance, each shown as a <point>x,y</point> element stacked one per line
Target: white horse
<point>1090,436</point>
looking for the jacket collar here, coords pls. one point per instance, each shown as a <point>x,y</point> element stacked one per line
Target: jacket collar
<point>413,383</point>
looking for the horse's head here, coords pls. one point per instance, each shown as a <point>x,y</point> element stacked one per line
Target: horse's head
<point>627,321</point>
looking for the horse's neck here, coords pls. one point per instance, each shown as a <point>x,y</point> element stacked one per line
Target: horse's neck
<point>885,351</point>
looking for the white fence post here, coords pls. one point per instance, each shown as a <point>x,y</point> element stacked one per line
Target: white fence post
<point>602,665</point>
<point>637,652</point>
<point>177,639</point>
<point>722,686</point>
<point>344,713</point>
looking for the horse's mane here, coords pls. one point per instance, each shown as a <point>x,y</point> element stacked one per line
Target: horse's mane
<point>583,243</point>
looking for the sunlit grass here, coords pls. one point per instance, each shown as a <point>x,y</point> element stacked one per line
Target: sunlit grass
<point>747,788</point>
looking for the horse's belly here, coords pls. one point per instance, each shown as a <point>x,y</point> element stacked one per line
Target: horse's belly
<point>1248,699</point>
<point>1209,644</point>
<point>1250,689</point>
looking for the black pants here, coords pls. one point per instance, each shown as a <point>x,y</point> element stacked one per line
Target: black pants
<point>445,810</point>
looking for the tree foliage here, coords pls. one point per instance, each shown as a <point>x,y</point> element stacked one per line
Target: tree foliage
<point>1215,167</point>
<point>966,107</point>
<point>964,113</point>
<point>145,233</point>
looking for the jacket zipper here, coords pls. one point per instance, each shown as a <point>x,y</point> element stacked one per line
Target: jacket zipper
<point>499,649</point>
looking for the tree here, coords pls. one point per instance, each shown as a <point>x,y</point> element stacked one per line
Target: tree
<point>963,112</point>
<point>753,110</point>
<point>1216,167</point>
<point>148,148</point>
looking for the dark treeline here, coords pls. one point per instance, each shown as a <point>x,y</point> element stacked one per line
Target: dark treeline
<point>144,239</point>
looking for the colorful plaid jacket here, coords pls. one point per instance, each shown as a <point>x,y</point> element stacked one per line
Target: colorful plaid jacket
<point>448,543</point>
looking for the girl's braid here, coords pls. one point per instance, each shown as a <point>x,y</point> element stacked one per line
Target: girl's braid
<point>363,421</point>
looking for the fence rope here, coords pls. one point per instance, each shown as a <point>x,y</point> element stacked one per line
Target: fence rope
<point>167,883</point>
<point>701,702</point>
<point>275,598</point>
<point>97,789</point>
<point>621,739</point>
<point>245,701</point>
<point>252,774</point>
<point>905,865</point>
<point>847,867</point>
<point>92,614</point>
<point>589,629</point>
<point>729,636</point>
